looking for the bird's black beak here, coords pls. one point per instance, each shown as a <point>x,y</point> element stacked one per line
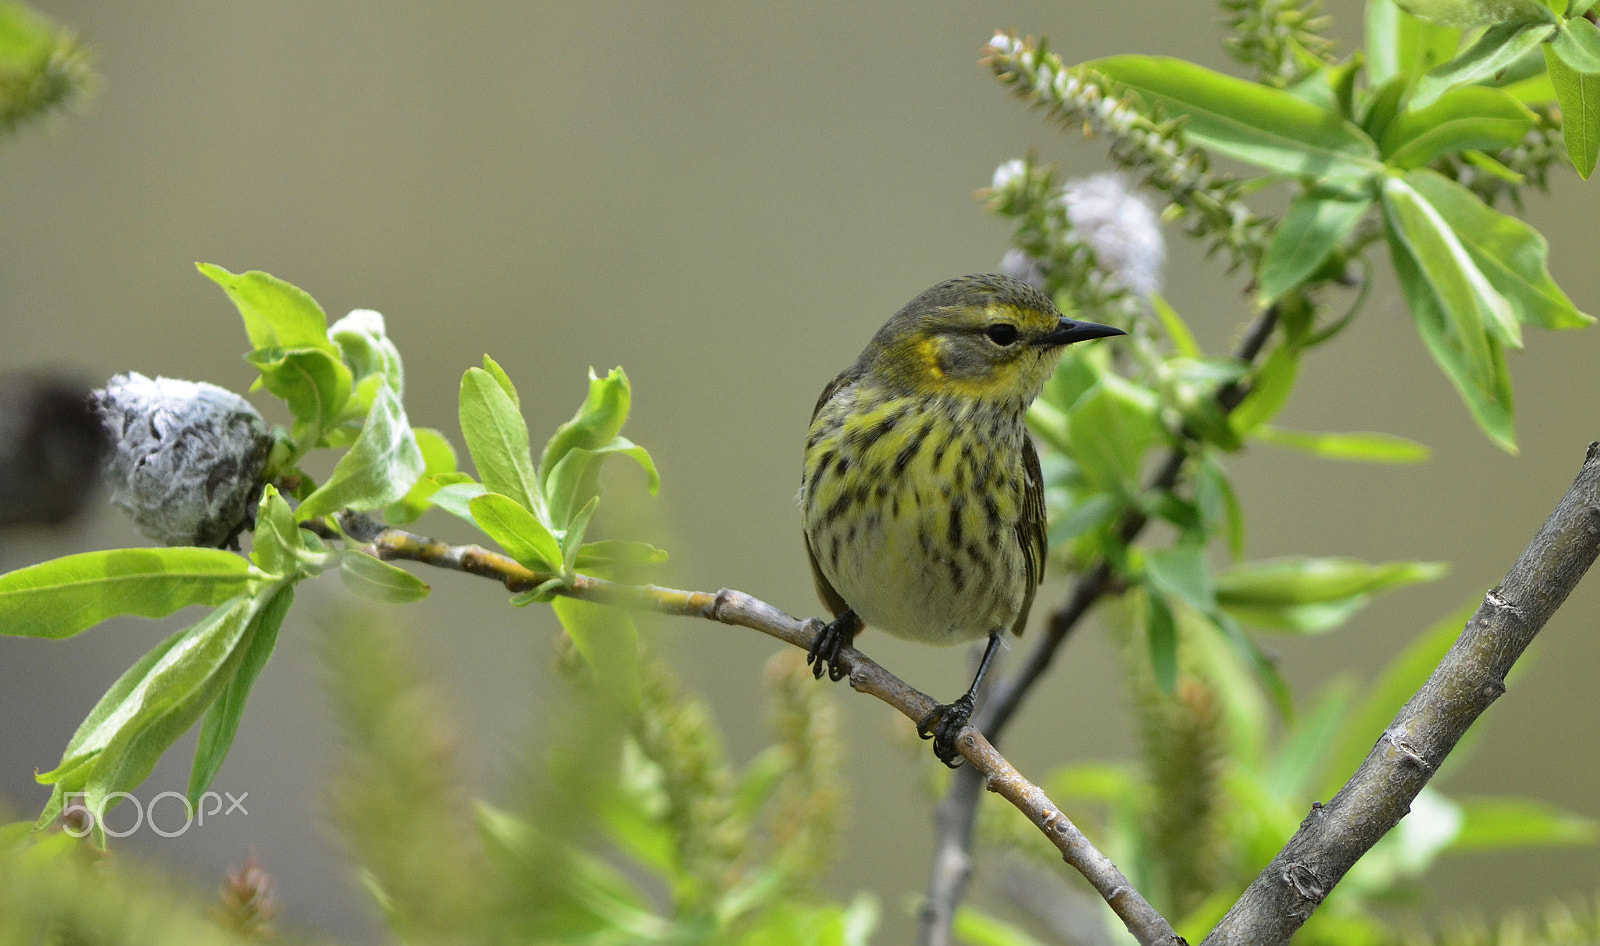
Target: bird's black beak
<point>1067,331</point>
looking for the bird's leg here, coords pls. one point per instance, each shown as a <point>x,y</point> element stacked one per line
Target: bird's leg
<point>945,721</point>
<point>834,636</point>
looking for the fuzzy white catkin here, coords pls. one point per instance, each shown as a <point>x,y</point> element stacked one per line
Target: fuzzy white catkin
<point>1120,226</point>
<point>187,457</point>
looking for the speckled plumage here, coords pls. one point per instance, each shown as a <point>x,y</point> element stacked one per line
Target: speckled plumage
<point>922,501</point>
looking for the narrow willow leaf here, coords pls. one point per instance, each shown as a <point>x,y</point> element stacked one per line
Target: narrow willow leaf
<point>1182,572</point>
<point>1311,595</point>
<point>1315,224</point>
<point>379,468</point>
<point>1579,95</point>
<point>1489,400</point>
<point>1494,52</point>
<point>1402,677</point>
<point>1510,253</point>
<point>276,314</point>
<point>518,531</point>
<point>1245,120</point>
<point>1469,13</point>
<point>1401,45</point>
<point>63,596</point>
<point>1219,504</point>
<point>980,929</point>
<point>1271,390</point>
<point>1577,42</point>
<point>572,539</point>
<point>1463,292</point>
<point>1493,824</point>
<point>618,552</point>
<point>314,384</point>
<point>1382,106</point>
<point>1470,117</point>
<point>149,707</point>
<point>497,438</point>
<point>1362,447</point>
<point>1183,343</point>
<point>221,721</point>
<point>609,643</point>
<point>377,580</point>
<point>1162,631</point>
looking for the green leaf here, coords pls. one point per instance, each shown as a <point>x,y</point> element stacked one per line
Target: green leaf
<point>1494,52</point>
<point>221,721</point>
<point>66,595</point>
<point>1488,399</point>
<point>1360,447</point>
<point>1271,390</point>
<point>502,379</point>
<point>1382,106</point>
<point>1577,42</point>
<point>1579,96</point>
<point>1402,676</point>
<point>1315,224</point>
<point>313,383</point>
<point>1401,45</point>
<point>379,468</point>
<point>377,580</point>
<point>1244,120</point>
<point>1183,343</point>
<point>1182,572</point>
<point>364,341</point>
<point>609,643</point>
<point>1465,118</point>
<point>1495,824</point>
<point>572,539</point>
<point>1510,253</point>
<point>575,481</point>
<point>600,419</point>
<point>1309,595</point>
<point>979,929</point>
<point>497,438</point>
<point>1468,13</point>
<point>1163,633</point>
<point>438,457</point>
<point>518,531</point>
<point>456,498</point>
<point>1111,427</point>
<point>1218,503</point>
<point>277,539</point>
<point>618,552</point>
<point>1301,756</point>
<point>149,707</point>
<point>276,314</point>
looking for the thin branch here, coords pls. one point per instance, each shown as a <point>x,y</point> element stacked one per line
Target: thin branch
<point>956,815</point>
<point>867,676</point>
<point>1467,680</point>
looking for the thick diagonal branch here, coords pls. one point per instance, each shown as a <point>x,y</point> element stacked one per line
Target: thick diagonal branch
<point>867,676</point>
<point>1471,676</point>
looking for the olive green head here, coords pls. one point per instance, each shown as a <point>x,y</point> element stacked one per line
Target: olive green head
<point>988,337</point>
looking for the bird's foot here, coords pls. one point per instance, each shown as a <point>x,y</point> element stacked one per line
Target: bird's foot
<point>832,638</point>
<point>943,724</point>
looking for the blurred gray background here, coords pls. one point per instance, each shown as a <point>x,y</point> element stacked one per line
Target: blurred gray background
<point>726,199</point>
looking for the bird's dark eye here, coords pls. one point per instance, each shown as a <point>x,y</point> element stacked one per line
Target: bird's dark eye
<point>1001,333</point>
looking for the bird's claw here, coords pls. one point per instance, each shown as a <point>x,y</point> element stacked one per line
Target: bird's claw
<point>824,652</point>
<point>943,724</point>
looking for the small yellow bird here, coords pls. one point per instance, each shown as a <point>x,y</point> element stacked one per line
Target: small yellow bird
<point>922,500</point>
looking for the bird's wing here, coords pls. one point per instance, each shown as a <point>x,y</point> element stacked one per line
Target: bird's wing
<point>1031,527</point>
<point>831,598</point>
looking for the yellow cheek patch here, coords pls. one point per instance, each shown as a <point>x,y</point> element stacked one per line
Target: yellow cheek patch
<point>928,351</point>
